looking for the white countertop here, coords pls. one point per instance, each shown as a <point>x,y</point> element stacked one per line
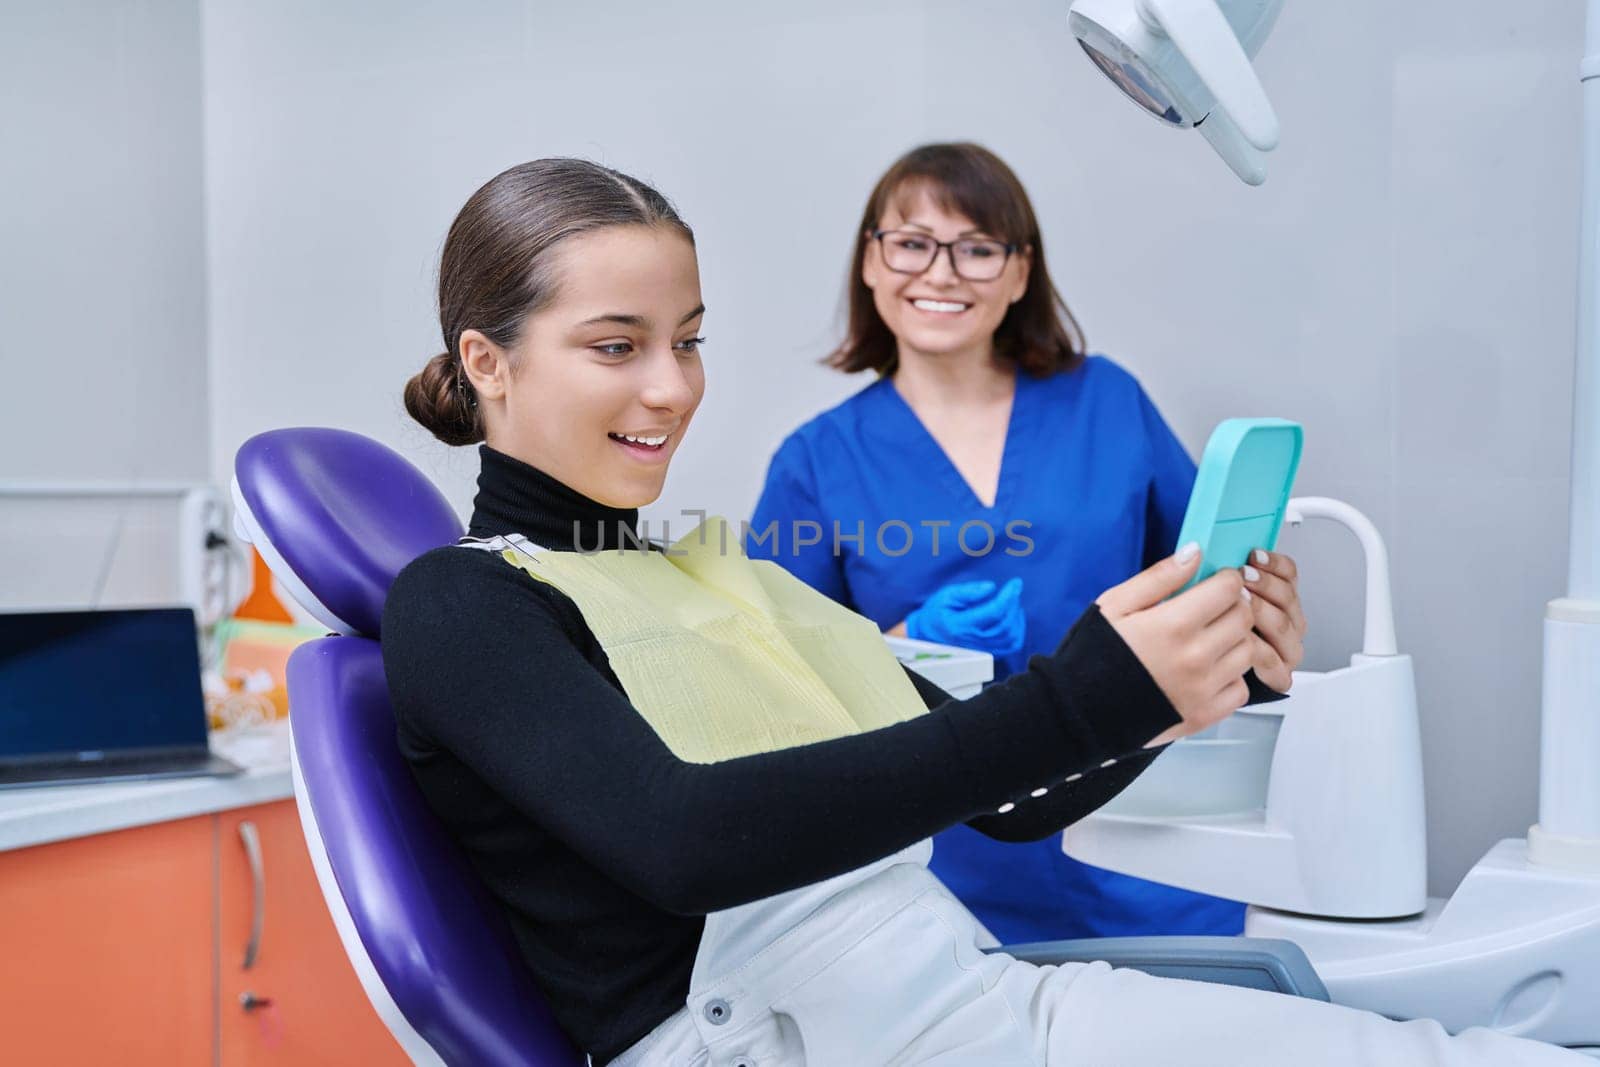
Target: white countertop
<point>36,816</point>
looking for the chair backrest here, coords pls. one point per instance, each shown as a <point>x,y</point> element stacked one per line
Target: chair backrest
<point>337,516</point>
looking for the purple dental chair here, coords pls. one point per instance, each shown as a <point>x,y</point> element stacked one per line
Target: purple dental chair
<point>336,516</point>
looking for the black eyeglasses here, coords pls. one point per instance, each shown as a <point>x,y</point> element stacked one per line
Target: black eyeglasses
<point>977,259</point>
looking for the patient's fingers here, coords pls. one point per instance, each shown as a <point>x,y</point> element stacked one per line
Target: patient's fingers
<point>1150,586</point>
<point>1269,665</point>
<point>1202,604</point>
<point>1278,580</point>
<point>1226,630</point>
<point>1278,630</point>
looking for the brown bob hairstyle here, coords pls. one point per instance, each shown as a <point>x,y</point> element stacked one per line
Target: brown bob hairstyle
<point>1038,333</point>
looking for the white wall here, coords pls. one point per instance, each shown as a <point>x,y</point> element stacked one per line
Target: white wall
<point>1403,285</point>
<point>102,292</point>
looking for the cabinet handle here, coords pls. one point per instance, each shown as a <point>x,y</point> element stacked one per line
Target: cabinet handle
<point>251,838</point>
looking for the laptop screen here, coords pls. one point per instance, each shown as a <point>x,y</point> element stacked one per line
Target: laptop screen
<point>84,683</point>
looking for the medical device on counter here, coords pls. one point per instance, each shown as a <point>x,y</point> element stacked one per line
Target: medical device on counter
<point>1333,855</point>
<point>1311,810</point>
<point>961,672</point>
<point>1312,804</point>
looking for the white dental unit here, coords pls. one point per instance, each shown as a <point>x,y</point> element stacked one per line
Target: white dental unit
<point>1311,809</point>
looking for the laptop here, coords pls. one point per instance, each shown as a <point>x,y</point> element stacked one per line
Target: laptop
<point>95,696</point>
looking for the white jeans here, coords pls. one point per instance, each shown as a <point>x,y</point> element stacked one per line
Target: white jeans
<point>886,970</point>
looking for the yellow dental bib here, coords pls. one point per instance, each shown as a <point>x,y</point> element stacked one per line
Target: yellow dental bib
<point>725,656</point>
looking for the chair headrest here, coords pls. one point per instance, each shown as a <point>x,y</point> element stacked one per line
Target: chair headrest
<point>336,516</point>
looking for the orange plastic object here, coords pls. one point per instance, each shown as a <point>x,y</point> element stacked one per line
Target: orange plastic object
<point>262,603</point>
<point>127,948</point>
<point>299,1002</point>
<point>109,948</point>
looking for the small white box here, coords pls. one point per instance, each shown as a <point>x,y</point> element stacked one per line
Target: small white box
<point>961,672</point>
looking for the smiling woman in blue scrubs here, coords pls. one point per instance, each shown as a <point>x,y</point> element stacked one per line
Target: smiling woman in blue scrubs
<point>982,491</point>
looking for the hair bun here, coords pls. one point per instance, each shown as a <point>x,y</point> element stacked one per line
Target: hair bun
<point>436,397</point>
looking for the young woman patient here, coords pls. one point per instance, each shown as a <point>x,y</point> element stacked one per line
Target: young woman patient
<point>702,792</point>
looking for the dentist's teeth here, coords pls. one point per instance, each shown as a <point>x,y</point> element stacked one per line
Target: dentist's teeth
<point>939,305</point>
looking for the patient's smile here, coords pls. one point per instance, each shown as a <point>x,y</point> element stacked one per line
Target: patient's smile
<point>650,448</point>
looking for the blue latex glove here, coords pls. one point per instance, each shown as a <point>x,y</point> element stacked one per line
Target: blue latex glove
<point>972,615</point>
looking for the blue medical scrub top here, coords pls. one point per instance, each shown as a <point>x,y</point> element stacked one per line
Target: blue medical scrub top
<point>1093,487</point>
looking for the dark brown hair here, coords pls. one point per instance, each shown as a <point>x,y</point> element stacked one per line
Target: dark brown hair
<point>495,270</point>
<point>1038,333</point>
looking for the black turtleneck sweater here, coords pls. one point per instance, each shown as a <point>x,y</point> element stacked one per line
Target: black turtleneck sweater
<point>606,851</point>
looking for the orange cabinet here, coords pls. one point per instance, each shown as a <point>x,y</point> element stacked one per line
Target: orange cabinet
<point>106,948</point>
<point>288,992</point>
<point>130,948</point>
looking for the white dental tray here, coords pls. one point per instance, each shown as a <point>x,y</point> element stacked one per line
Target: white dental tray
<point>961,672</point>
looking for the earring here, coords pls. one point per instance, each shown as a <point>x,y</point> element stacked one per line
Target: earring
<point>464,387</point>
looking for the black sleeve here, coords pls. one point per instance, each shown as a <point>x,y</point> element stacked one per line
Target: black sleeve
<point>1064,802</point>
<point>1059,805</point>
<point>1260,693</point>
<point>491,666</point>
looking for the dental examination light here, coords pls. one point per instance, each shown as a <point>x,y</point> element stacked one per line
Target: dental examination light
<point>1187,62</point>
<point>1310,809</point>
